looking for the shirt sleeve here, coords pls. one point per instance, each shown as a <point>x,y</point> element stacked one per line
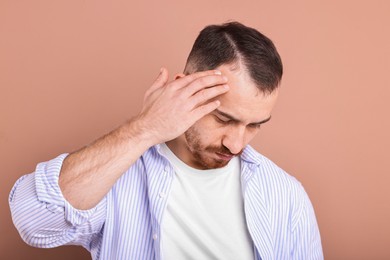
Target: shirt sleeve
<point>44,218</point>
<point>306,234</point>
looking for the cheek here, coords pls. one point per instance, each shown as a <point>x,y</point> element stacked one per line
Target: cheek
<point>208,127</point>
<point>210,136</point>
<point>208,131</point>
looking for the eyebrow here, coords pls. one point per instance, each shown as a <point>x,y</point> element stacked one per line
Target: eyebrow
<point>235,119</point>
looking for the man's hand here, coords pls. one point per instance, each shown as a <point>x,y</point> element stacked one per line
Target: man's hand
<point>170,108</point>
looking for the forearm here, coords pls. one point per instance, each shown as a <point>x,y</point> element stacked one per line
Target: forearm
<point>88,174</point>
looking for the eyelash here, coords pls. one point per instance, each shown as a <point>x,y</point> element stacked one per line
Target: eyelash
<point>222,121</point>
<point>255,126</point>
<point>219,120</point>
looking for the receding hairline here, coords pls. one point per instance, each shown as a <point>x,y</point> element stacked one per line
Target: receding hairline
<point>266,73</point>
<point>237,65</point>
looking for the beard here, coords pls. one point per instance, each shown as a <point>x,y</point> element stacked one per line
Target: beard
<point>203,156</point>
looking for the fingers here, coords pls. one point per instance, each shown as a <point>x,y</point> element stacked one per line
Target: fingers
<point>205,109</point>
<point>185,81</point>
<point>204,83</point>
<point>207,94</point>
<point>204,86</point>
<point>160,81</point>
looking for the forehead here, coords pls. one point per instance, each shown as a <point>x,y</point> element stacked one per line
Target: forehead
<point>244,100</point>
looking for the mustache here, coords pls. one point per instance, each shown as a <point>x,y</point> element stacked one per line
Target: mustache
<point>222,150</point>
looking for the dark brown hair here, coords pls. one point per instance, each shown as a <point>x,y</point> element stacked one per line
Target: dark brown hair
<point>234,42</point>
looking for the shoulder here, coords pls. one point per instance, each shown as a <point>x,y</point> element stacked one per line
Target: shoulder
<point>264,168</point>
<point>269,179</point>
<point>275,197</point>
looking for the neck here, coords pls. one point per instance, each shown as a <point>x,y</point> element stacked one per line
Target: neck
<point>179,148</point>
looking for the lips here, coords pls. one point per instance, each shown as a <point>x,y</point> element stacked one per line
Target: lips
<point>225,157</point>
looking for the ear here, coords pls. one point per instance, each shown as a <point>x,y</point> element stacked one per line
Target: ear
<point>179,76</point>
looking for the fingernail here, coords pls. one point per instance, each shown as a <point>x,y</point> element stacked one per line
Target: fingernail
<point>218,72</point>
<point>226,86</point>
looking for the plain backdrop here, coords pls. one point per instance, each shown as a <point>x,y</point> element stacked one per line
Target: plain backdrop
<point>70,71</point>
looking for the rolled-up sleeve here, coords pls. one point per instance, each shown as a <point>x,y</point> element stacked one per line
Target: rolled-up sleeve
<point>44,218</point>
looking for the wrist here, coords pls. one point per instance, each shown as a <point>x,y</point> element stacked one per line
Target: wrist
<point>138,131</point>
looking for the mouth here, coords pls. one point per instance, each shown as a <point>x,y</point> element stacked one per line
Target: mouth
<point>224,157</point>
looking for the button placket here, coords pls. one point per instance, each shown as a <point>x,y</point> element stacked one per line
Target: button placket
<point>166,171</point>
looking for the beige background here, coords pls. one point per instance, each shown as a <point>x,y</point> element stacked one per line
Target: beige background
<point>72,70</point>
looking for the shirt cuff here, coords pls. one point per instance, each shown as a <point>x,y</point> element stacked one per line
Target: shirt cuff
<point>48,191</point>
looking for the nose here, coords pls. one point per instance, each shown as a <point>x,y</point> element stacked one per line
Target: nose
<point>234,139</point>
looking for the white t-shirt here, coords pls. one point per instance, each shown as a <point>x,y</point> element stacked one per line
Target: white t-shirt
<point>205,216</point>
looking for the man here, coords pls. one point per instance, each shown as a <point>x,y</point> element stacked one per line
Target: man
<point>179,180</point>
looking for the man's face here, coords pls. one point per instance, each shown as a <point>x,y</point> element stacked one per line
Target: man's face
<point>219,136</point>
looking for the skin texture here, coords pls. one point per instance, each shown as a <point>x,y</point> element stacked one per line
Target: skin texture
<point>218,136</point>
<point>169,109</point>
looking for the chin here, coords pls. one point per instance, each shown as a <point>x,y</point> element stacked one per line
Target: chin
<point>208,164</point>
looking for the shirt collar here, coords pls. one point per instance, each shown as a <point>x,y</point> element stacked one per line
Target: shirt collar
<point>250,155</point>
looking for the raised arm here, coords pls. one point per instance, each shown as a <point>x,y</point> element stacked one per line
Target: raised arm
<point>169,109</point>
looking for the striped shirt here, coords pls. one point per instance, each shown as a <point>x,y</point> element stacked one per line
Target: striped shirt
<point>126,224</point>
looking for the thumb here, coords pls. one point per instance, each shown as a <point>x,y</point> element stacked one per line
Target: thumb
<point>161,79</point>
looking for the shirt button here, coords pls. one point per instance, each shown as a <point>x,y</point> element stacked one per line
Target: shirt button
<point>162,195</point>
<point>154,236</point>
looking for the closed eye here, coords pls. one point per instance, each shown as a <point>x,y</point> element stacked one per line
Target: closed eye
<point>254,125</point>
<point>226,119</point>
<point>223,121</point>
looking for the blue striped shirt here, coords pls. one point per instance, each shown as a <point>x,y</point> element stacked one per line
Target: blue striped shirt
<point>126,224</point>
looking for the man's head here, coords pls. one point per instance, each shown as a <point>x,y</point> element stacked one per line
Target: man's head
<point>235,43</point>
<point>253,67</point>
